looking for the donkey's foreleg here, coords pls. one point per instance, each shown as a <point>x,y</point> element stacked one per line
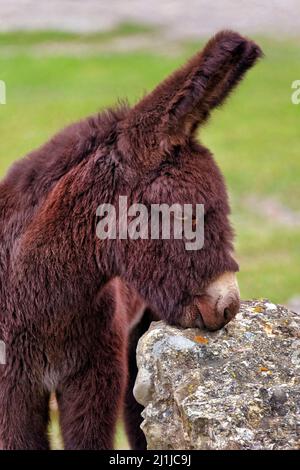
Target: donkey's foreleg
<point>24,409</point>
<point>90,400</point>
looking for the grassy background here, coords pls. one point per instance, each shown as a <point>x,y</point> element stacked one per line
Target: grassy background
<point>52,80</point>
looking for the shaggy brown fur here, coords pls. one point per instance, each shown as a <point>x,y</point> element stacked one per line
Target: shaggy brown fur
<point>68,301</point>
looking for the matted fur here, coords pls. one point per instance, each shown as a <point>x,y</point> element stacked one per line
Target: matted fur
<point>68,301</point>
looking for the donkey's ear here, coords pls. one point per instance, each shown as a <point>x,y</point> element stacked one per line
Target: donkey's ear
<point>184,100</point>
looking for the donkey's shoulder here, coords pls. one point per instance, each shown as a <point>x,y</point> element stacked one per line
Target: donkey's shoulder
<point>43,167</point>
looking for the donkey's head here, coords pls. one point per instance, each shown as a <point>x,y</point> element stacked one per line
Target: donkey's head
<point>163,163</point>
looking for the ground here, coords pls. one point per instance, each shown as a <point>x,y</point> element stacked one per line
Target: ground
<point>55,78</point>
<point>179,18</point>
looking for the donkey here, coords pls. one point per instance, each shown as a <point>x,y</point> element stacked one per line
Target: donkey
<point>72,307</point>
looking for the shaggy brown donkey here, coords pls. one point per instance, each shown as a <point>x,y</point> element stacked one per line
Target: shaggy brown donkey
<point>69,302</point>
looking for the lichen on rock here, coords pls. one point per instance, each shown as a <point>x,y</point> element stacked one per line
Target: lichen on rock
<point>237,388</point>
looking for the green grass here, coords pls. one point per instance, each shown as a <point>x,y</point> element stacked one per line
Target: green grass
<point>29,38</point>
<point>255,137</point>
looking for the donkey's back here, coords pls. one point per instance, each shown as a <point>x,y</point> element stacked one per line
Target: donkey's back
<point>31,179</point>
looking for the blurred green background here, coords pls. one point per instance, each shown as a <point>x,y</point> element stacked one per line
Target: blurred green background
<point>55,78</point>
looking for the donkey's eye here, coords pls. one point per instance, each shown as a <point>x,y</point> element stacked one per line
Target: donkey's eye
<point>184,218</point>
<point>180,217</point>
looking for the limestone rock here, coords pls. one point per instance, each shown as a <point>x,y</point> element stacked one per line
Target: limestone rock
<point>238,388</point>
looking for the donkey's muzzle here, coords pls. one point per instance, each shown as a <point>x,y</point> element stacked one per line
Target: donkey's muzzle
<point>219,304</point>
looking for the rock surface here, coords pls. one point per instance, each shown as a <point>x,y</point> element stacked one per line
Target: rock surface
<point>238,388</point>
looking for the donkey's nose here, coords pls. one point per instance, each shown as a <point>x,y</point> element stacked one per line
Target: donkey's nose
<point>230,311</point>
